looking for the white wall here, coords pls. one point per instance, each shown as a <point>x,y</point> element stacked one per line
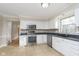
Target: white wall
<point>6,33</point>
<point>54,23</point>
<point>5,37</point>
<point>1,25</point>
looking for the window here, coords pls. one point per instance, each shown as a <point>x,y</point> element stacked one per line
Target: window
<point>68,25</point>
<point>70,20</point>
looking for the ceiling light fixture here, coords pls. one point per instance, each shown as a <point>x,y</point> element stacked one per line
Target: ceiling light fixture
<point>45,5</point>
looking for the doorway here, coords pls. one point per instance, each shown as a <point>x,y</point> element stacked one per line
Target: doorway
<point>15,34</point>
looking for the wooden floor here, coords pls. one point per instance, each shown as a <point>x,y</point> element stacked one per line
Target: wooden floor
<point>35,50</point>
<point>14,43</point>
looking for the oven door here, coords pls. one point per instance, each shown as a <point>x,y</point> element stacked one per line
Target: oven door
<point>31,39</point>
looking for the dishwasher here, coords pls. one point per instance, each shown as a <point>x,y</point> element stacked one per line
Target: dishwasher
<point>49,40</point>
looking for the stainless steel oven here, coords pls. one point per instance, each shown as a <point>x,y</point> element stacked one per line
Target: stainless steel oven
<point>31,37</point>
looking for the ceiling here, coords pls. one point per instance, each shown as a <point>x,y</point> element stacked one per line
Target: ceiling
<point>33,10</point>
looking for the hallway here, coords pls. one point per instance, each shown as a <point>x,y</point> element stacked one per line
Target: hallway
<point>36,50</point>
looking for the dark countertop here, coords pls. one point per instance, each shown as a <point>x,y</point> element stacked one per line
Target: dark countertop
<point>54,29</point>
<point>73,37</point>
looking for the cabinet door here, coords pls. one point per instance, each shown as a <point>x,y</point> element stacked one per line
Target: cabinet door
<point>23,41</point>
<point>57,43</point>
<point>72,47</point>
<point>65,46</point>
<point>39,39</point>
<point>44,38</point>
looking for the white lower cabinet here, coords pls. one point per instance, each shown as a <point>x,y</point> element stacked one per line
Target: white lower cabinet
<point>65,46</point>
<point>41,39</point>
<point>22,41</point>
<point>44,38</point>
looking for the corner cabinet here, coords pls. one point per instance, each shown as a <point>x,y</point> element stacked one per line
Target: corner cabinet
<point>65,46</point>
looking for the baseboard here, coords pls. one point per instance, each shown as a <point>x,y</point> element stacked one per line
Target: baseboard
<point>41,43</point>
<point>58,52</point>
<point>3,45</point>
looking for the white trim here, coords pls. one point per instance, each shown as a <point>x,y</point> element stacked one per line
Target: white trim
<point>3,45</point>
